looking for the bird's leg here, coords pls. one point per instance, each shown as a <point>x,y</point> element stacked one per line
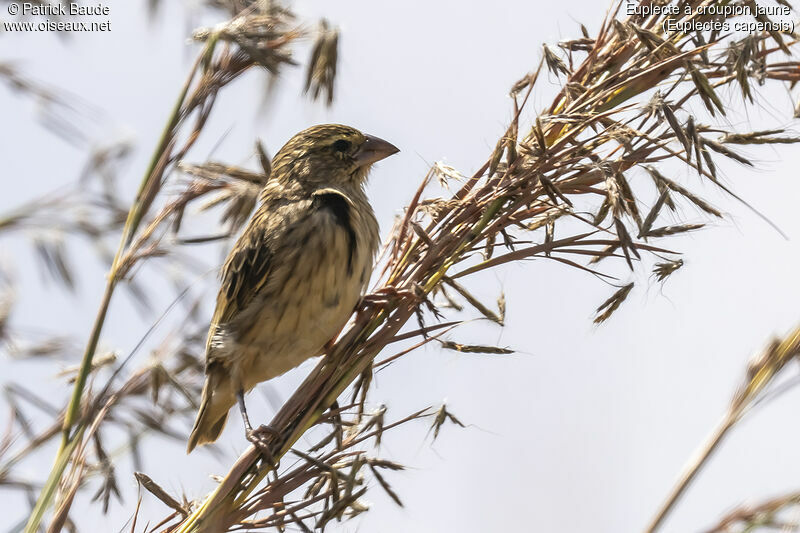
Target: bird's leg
<point>256,436</point>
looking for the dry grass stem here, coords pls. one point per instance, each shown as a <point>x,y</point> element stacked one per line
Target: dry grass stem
<point>762,371</point>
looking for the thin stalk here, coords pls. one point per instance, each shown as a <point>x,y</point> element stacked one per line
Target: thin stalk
<point>86,362</point>
<point>135,214</point>
<point>761,373</point>
<point>49,489</point>
<point>691,470</point>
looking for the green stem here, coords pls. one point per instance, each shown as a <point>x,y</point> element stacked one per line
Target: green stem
<point>136,212</point>
<point>49,489</point>
<point>86,365</point>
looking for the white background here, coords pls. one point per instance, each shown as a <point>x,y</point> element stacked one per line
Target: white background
<point>585,428</point>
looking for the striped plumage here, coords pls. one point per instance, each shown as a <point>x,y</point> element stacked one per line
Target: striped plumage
<point>297,271</point>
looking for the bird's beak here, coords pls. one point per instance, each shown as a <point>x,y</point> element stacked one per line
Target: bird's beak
<point>373,150</point>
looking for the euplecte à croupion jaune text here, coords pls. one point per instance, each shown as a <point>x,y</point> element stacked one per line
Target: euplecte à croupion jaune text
<point>723,17</point>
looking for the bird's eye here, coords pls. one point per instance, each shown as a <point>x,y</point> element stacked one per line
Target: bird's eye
<point>341,145</point>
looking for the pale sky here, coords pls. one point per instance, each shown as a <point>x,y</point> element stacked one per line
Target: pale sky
<point>585,428</point>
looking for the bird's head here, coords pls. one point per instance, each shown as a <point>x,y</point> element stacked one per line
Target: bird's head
<point>329,154</point>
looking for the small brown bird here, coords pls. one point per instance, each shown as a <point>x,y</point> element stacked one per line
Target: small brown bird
<point>296,273</point>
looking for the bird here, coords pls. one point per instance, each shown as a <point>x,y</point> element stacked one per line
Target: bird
<point>295,274</point>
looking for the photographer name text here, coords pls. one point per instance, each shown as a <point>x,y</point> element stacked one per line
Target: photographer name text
<point>61,10</point>
<point>69,11</point>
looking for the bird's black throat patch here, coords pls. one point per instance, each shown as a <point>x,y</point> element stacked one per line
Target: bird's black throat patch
<point>340,208</point>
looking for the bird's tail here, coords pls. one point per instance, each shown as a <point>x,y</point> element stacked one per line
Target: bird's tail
<point>218,398</point>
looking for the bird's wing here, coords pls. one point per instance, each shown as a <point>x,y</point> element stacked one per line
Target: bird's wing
<point>244,273</point>
<point>252,263</point>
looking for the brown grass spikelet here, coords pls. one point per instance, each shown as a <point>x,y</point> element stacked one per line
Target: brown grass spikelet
<point>607,308</point>
<point>321,70</point>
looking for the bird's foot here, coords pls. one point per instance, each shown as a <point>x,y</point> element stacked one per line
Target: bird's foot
<point>261,437</point>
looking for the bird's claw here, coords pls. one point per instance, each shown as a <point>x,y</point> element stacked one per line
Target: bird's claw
<point>261,437</point>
